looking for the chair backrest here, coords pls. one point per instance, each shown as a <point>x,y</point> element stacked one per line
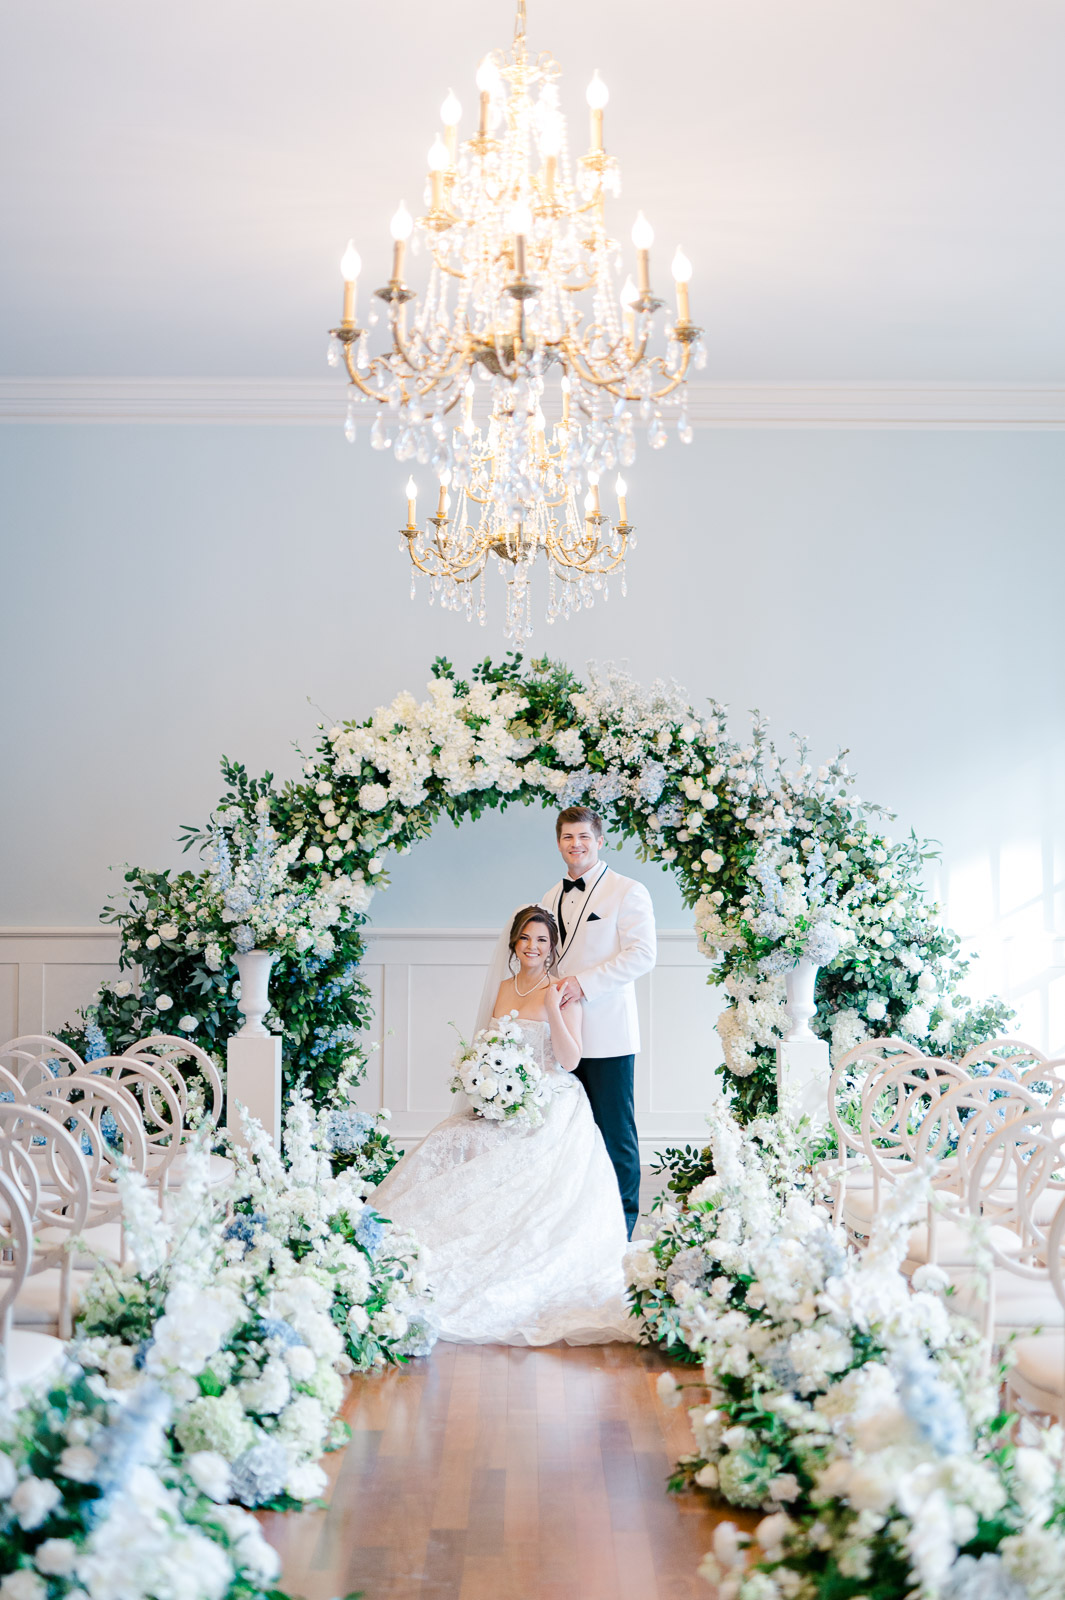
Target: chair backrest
<point>160,1106</point>
<point>178,1059</point>
<point>897,1103</point>
<point>1055,1250</point>
<point>16,1247</point>
<point>852,1077</point>
<point>44,1162</point>
<point>106,1122</point>
<point>1015,1060</point>
<point>1016,1166</point>
<point>34,1057</point>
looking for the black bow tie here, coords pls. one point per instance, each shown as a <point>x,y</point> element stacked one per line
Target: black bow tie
<point>572,883</point>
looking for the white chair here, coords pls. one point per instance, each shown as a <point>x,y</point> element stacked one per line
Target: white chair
<point>894,1103</point>
<point>1016,1168</point>
<point>177,1060</point>
<point>27,1358</point>
<point>37,1057</point>
<point>851,1078</point>
<point>44,1162</point>
<point>82,1104</point>
<point>1036,1379</point>
<point>951,1142</point>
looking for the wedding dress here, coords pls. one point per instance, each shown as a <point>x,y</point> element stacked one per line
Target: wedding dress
<point>523,1228</point>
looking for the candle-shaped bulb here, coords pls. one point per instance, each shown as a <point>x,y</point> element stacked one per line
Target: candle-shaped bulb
<point>439,159</point>
<point>643,235</point>
<point>597,93</point>
<point>565,385</point>
<point>629,295</point>
<point>621,488</point>
<point>402,224</point>
<point>488,76</point>
<point>539,421</point>
<point>412,489</point>
<point>681,267</point>
<point>520,218</point>
<point>470,389</point>
<point>445,477</point>
<point>350,263</point>
<point>412,498</point>
<point>551,138</point>
<point>451,110</point>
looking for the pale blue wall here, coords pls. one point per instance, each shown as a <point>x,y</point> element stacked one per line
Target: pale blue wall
<point>175,592</point>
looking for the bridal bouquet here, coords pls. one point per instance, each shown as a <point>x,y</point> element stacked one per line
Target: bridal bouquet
<point>499,1077</point>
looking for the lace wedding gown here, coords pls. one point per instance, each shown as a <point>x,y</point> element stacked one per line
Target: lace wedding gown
<point>523,1228</point>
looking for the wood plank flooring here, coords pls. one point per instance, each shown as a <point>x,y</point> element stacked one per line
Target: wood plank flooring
<point>489,1472</point>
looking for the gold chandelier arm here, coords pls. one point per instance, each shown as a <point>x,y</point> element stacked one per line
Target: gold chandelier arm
<point>360,383</point>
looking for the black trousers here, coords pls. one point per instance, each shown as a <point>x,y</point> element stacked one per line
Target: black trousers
<point>608,1083</point>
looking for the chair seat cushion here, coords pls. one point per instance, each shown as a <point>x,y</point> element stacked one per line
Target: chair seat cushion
<point>954,1244</point>
<point>221,1171</point>
<point>30,1358</point>
<point>1020,1303</point>
<point>103,1240</point>
<point>1040,1360</point>
<point>37,1305</point>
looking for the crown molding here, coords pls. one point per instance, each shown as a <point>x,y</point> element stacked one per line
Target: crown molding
<point>312,402</point>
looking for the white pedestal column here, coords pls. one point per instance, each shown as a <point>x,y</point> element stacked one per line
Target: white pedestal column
<point>253,1063</point>
<point>803,1071</point>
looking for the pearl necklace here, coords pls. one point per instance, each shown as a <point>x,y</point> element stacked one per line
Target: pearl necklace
<point>524,993</point>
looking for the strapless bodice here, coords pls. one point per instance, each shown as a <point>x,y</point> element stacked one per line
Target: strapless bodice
<point>537,1035</point>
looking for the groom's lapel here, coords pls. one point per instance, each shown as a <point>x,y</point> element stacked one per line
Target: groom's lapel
<point>587,898</point>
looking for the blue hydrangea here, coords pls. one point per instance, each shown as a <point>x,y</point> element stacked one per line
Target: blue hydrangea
<point>369,1231</point>
<point>278,1329</point>
<point>348,1131</point>
<point>245,1228</point>
<point>652,780</point>
<point>259,1473</point>
<point>418,1340</point>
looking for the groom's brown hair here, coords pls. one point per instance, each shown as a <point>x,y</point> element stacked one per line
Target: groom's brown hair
<point>579,814</point>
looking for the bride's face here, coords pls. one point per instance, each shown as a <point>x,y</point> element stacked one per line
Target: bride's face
<point>533,947</point>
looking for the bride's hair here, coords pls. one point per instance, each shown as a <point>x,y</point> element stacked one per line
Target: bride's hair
<point>529,914</point>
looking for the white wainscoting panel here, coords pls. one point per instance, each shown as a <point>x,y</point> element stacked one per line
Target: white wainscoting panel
<point>421,980</point>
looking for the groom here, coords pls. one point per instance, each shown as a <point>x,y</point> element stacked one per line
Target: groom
<point>607,932</point>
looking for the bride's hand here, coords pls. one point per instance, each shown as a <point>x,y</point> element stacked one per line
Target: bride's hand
<point>552,997</point>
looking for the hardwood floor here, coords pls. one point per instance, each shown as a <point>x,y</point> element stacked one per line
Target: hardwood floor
<point>496,1473</point>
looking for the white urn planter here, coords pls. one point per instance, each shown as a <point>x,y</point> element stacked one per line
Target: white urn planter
<point>801,1005</point>
<point>254,969</point>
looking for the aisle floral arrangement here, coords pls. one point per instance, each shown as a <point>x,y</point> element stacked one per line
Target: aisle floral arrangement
<point>247,1313</point>
<point>855,1411</point>
<point>94,1503</point>
<point>777,857</point>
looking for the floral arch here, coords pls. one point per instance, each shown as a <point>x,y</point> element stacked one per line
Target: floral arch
<point>776,859</point>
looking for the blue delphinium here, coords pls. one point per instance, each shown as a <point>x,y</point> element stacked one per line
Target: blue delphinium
<point>135,1436</point>
<point>934,1408</point>
<point>259,1473</point>
<point>369,1231</point>
<point>95,1043</point>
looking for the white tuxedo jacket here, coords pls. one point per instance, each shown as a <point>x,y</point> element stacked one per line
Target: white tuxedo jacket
<point>609,943</point>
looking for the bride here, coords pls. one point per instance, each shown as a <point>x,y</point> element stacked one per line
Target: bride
<point>523,1228</point>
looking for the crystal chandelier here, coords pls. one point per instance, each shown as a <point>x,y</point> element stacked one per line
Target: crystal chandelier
<point>582,548</point>
<point>524,284</point>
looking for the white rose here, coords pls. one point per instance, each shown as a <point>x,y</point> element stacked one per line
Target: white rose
<point>152,942</point>
<point>34,1500</point>
<point>77,1462</point>
<point>23,1585</point>
<point>374,864</point>
<point>323,788</point>
<point>714,862</point>
<point>56,1557</point>
<point>163,1003</point>
<point>312,854</point>
<point>188,1024</point>
<point>123,988</point>
<point>334,852</point>
<point>358,1319</point>
<point>331,819</point>
<point>169,930</point>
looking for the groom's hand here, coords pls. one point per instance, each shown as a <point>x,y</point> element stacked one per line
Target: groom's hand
<point>569,989</point>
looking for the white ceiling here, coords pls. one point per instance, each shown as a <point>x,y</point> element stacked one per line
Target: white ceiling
<point>869,189</point>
